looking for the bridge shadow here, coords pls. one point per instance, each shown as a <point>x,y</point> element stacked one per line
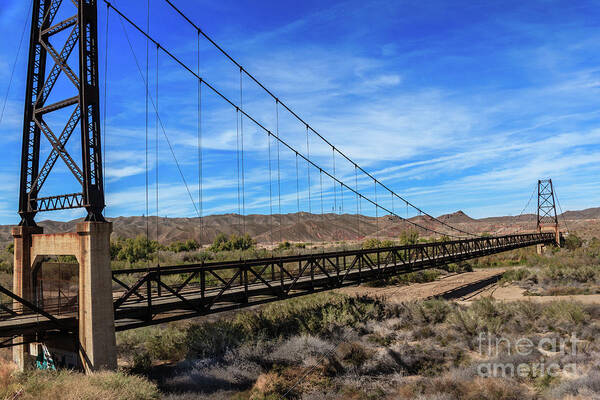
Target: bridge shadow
<point>471,288</point>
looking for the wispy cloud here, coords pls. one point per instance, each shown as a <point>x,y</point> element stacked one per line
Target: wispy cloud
<point>452,109</point>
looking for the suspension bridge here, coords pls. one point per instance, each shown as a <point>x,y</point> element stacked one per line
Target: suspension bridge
<point>83,323</point>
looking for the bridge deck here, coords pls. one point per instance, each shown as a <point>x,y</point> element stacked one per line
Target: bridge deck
<point>179,292</point>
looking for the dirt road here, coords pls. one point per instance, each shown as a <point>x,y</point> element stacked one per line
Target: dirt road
<point>463,288</point>
<point>419,291</point>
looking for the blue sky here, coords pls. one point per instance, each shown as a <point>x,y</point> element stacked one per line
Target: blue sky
<point>454,105</point>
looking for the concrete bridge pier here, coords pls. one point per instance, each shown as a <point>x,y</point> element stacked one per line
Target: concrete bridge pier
<point>90,244</point>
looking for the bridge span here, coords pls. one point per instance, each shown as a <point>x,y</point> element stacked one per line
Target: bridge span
<point>107,301</point>
<point>158,295</point>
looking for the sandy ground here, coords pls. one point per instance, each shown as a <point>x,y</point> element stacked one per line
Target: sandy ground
<point>420,291</point>
<point>513,293</point>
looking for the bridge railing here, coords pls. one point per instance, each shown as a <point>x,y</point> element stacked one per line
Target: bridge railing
<point>179,291</point>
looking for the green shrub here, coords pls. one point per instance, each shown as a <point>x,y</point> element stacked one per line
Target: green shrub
<point>459,268</point>
<point>573,242</point>
<point>515,275</point>
<point>284,246</point>
<point>233,242</point>
<point>565,311</point>
<point>133,250</point>
<point>188,245</point>
<point>433,311</point>
<point>315,315</point>
<point>409,237</point>
<point>160,343</point>
<point>214,339</point>
<point>142,361</point>
<point>371,243</point>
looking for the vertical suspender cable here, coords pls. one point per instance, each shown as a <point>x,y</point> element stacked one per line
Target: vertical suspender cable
<point>334,185</point>
<point>162,127</point>
<point>308,172</point>
<point>242,143</point>
<point>270,188</point>
<point>237,134</point>
<point>156,189</point>
<point>376,215</point>
<point>342,197</point>
<point>156,161</point>
<point>357,202</point>
<point>147,94</point>
<point>406,224</point>
<point>265,89</point>
<point>322,213</point>
<point>200,158</point>
<point>278,167</point>
<point>297,189</point>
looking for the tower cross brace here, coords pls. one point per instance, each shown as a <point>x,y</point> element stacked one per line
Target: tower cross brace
<point>84,104</point>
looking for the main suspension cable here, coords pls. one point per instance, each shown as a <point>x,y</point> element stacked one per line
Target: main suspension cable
<point>525,208</point>
<point>562,213</point>
<point>226,54</point>
<point>12,72</point>
<point>257,123</point>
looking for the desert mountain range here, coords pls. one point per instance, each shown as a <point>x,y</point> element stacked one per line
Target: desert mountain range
<point>305,227</point>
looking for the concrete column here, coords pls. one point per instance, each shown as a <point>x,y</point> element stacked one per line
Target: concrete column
<point>23,281</point>
<point>97,343</point>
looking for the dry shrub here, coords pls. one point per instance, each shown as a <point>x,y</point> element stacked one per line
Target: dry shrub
<point>453,388</point>
<point>353,354</point>
<point>290,383</point>
<point>8,382</point>
<point>584,387</point>
<point>67,385</point>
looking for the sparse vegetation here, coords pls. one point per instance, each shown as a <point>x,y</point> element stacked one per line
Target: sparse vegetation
<point>570,270</point>
<point>234,242</point>
<point>133,250</point>
<point>348,347</point>
<point>336,346</point>
<point>67,385</point>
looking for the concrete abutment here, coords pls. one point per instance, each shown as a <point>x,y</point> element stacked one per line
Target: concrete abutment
<point>90,244</point>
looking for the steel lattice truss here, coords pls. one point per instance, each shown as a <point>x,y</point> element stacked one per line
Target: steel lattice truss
<point>152,296</point>
<point>215,287</point>
<point>84,79</point>
<point>546,214</point>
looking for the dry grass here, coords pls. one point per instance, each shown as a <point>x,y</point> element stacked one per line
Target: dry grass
<point>67,385</point>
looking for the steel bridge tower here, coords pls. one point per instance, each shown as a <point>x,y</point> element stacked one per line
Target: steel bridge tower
<point>78,106</point>
<point>546,209</point>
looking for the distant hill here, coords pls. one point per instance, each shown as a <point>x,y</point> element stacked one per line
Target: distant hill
<point>588,213</point>
<point>304,227</point>
<point>456,218</point>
